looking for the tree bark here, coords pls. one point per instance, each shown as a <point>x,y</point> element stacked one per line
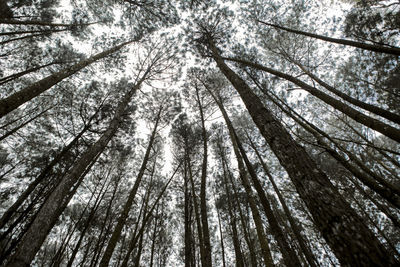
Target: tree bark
<point>54,205</point>
<point>289,256</point>
<point>15,100</point>
<point>203,197</point>
<point>312,261</point>
<point>128,204</point>
<point>345,232</point>
<point>359,117</point>
<point>370,47</point>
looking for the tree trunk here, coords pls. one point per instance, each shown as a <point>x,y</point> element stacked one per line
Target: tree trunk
<point>312,261</point>
<point>203,198</point>
<point>372,108</point>
<point>54,205</point>
<point>45,172</point>
<point>289,256</point>
<point>359,117</point>
<point>345,232</point>
<point>235,237</point>
<point>370,47</point>
<point>129,202</point>
<point>385,189</point>
<point>15,100</point>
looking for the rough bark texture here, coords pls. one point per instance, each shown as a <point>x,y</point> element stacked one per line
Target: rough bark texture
<point>289,256</point>
<point>370,122</point>
<point>295,227</point>
<point>345,232</point>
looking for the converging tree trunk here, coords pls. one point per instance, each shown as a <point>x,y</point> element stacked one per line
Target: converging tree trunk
<point>15,100</point>
<point>370,47</point>
<point>55,203</point>
<point>345,232</point>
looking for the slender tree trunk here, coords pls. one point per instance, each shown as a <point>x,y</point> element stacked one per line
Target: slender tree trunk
<point>221,238</point>
<point>15,100</point>
<point>247,237</point>
<point>344,231</point>
<point>23,124</point>
<point>370,47</point>
<point>203,197</point>
<point>372,108</point>
<point>14,76</point>
<point>187,220</point>
<point>289,256</point>
<point>312,261</point>
<point>256,215</point>
<point>128,204</point>
<point>45,172</point>
<point>196,212</point>
<point>239,260</point>
<point>359,117</point>
<point>385,189</point>
<point>153,239</point>
<point>55,204</point>
<point>87,224</point>
<point>40,23</point>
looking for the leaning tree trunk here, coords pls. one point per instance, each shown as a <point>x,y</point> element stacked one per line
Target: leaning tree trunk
<point>129,202</point>
<point>372,108</point>
<point>45,172</point>
<point>378,184</point>
<point>345,232</point>
<point>289,255</point>
<point>256,215</point>
<point>15,100</point>
<point>54,204</point>
<point>370,47</point>
<point>312,261</point>
<point>359,117</point>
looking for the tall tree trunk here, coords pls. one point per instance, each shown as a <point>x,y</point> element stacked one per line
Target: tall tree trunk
<point>196,212</point>
<point>370,47</point>
<point>372,108</point>
<point>385,189</point>
<point>55,204</point>
<point>312,261</point>
<point>359,117</point>
<point>15,100</point>
<point>187,220</point>
<point>256,215</point>
<point>45,172</point>
<point>289,256</point>
<point>345,232</point>
<point>239,260</point>
<point>14,76</point>
<point>203,197</point>
<point>89,219</point>
<point>23,124</point>
<point>129,202</point>
<point>221,238</point>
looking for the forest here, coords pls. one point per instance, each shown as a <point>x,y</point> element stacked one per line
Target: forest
<point>196,133</point>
